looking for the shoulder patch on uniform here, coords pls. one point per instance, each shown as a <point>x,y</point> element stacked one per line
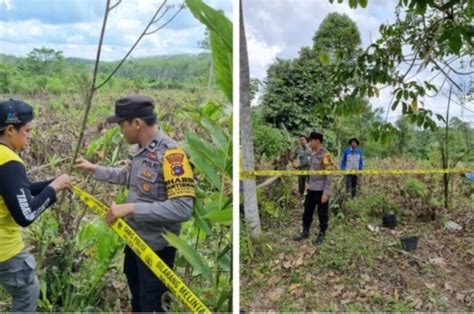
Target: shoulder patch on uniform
<point>328,161</point>
<point>178,174</point>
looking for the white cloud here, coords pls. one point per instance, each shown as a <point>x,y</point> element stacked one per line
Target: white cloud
<point>70,49</point>
<point>6,3</point>
<point>36,31</point>
<point>22,30</point>
<point>75,39</point>
<point>261,54</point>
<point>27,30</point>
<point>289,25</point>
<point>128,25</point>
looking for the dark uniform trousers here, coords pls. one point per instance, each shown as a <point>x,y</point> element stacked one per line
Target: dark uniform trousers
<point>302,180</point>
<point>147,290</point>
<point>313,199</point>
<point>351,185</point>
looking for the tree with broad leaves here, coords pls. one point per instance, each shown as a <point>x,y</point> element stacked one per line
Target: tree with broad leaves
<point>299,93</point>
<point>427,35</point>
<point>44,60</point>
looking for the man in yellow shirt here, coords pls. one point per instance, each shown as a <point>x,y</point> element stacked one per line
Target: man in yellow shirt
<point>21,202</point>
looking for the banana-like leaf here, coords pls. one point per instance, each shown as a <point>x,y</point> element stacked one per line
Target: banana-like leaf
<point>220,31</point>
<point>217,134</point>
<point>220,216</point>
<point>198,214</point>
<point>204,167</point>
<point>214,155</point>
<point>189,254</point>
<point>217,201</point>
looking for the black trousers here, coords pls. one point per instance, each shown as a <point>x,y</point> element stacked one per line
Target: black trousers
<point>302,181</point>
<point>313,199</point>
<point>351,184</point>
<point>145,287</point>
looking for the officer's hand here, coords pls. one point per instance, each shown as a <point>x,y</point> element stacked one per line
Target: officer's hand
<point>62,182</point>
<point>324,198</point>
<point>118,211</point>
<point>84,165</point>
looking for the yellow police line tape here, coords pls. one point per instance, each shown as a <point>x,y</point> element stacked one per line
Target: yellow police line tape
<point>147,255</point>
<point>273,173</point>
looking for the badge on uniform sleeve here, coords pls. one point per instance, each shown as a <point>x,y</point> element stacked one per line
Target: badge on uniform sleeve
<point>178,174</point>
<point>328,161</point>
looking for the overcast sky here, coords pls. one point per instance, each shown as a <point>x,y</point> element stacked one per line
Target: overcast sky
<point>73,26</point>
<point>279,28</point>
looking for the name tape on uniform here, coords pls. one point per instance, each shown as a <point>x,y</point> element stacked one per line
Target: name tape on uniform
<point>146,254</point>
<point>275,173</point>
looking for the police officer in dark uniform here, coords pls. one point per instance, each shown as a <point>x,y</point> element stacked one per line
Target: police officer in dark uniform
<point>160,194</point>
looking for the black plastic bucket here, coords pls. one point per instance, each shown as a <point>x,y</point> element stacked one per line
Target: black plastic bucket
<point>389,221</point>
<point>409,243</point>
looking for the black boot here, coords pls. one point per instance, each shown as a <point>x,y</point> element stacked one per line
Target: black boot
<point>319,240</point>
<point>303,235</point>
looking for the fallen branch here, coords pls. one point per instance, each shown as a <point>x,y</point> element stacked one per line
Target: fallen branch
<point>267,182</point>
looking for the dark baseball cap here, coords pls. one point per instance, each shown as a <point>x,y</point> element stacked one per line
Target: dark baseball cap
<point>132,107</point>
<point>14,112</point>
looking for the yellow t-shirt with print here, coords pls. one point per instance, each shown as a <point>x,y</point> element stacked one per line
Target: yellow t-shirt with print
<point>11,242</point>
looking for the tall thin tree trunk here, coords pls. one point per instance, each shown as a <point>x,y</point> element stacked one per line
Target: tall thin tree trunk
<point>250,188</point>
<point>90,95</point>
<point>446,155</point>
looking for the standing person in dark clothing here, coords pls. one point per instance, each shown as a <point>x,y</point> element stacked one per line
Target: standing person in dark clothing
<point>352,159</point>
<point>302,153</point>
<point>319,188</point>
<point>21,203</point>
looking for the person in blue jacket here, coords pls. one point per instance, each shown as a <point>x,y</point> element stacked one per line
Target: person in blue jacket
<point>352,159</point>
